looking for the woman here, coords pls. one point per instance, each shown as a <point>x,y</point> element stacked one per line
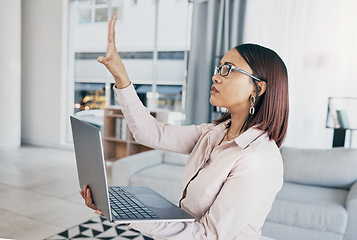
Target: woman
<point>235,169</point>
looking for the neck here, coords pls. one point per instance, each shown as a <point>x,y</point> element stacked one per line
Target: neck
<point>237,121</point>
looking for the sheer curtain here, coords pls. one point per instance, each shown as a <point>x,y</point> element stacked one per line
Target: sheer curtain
<point>216,28</point>
<point>317,40</point>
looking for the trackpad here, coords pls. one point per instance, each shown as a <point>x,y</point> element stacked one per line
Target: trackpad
<point>153,201</point>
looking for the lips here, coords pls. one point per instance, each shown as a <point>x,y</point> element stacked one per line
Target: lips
<point>214,89</point>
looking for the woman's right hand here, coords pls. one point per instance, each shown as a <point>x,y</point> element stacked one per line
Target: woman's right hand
<point>112,60</point>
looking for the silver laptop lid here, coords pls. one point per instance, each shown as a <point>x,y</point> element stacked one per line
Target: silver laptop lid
<point>90,163</point>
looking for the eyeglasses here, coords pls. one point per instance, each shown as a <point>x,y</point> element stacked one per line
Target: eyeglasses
<point>226,69</point>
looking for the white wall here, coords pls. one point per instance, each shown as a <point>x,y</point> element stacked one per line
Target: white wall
<point>41,72</point>
<point>10,74</point>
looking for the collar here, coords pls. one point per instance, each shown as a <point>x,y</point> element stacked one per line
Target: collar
<point>243,140</point>
<point>249,136</point>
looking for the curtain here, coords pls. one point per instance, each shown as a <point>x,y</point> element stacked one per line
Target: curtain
<point>315,38</point>
<point>217,27</point>
<point>317,41</point>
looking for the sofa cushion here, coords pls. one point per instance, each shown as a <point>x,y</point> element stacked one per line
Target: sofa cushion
<point>285,232</point>
<point>310,207</point>
<point>336,167</point>
<point>175,158</point>
<point>164,178</point>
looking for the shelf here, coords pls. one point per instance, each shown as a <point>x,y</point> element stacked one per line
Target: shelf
<point>114,139</point>
<point>112,108</point>
<point>114,115</point>
<point>115,127</point>
<point>111,159</point>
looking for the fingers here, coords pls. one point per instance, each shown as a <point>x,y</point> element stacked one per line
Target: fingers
<point>103,61</point>
<point>99,212</point>
<point>112,60</point>
<point>111,48</point>
<point>111,30</point>
<point>82,194</point>
<point>87,196</point>
<point>89,201</point>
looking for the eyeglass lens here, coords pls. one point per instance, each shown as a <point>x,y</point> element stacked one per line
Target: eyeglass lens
<point>223,70</point>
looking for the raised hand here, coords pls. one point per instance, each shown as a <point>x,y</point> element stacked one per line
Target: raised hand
<point>112,60</point>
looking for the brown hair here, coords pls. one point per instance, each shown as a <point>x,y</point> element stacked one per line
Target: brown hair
<point>272,107</point>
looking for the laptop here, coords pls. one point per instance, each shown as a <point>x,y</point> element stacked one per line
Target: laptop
<point>121,204</point>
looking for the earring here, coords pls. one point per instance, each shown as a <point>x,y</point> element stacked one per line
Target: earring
<point>252,103</point>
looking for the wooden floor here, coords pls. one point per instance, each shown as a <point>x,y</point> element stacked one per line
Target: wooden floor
<point>39,193</point>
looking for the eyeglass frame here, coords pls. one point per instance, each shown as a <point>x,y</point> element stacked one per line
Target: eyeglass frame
<point>217,69</point>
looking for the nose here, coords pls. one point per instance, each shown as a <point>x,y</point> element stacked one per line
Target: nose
<point>216,78</point>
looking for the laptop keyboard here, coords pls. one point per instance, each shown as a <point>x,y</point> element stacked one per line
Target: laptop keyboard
<point>124,206</point>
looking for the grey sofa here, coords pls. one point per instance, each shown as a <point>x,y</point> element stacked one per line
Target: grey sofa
<point>318,199</point>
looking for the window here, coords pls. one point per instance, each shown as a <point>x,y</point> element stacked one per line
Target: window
<point>89,96</point>
<point>94,11</point>
<point>161,58</point>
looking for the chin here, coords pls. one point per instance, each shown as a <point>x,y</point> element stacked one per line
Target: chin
<point>214,102</point>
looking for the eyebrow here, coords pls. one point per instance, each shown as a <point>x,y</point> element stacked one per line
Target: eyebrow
<point>227,63</point>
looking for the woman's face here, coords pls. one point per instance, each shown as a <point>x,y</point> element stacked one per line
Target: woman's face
<point>232,91</point>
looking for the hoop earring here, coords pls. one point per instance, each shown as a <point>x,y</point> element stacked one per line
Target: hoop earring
<point>252,103</point>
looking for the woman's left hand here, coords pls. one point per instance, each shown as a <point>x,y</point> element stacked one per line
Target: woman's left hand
<point>87,196</point>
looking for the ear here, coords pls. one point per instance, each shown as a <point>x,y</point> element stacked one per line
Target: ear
<point>262,86</point>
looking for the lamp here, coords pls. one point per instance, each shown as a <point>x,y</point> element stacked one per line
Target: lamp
<point>341,116</point>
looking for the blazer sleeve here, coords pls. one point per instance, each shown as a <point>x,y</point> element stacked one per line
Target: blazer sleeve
<point>251,187</point>
<point>149,132</point>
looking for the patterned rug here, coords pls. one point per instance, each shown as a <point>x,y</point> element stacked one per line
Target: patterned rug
<point>100,228</point>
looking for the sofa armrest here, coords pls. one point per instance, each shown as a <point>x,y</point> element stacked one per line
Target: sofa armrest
<point>124,168</point>
<point>351,200</point>
<point>351,206</point>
